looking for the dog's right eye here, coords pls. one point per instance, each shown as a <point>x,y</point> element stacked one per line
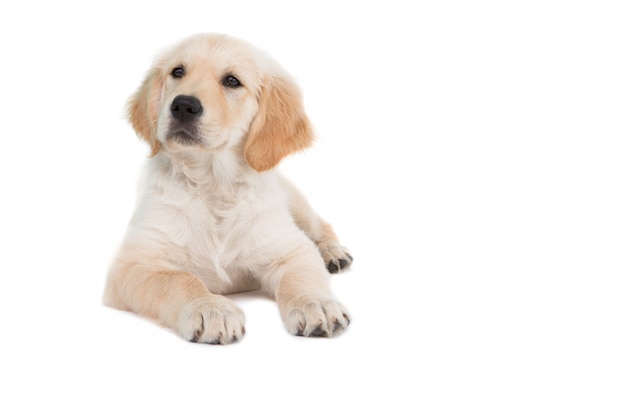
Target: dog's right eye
<point>178,72</point>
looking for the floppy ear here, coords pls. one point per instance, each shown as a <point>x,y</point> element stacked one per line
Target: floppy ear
<point>143,109</point>
<point>280,128</point>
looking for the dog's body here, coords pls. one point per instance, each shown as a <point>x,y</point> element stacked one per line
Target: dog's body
<point>213,215</point>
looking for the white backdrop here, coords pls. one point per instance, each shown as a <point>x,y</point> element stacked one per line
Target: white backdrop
<point>470,154</point>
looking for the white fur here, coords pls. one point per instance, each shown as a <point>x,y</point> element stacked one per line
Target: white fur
<point>205,215</point>
<point>224,218</point>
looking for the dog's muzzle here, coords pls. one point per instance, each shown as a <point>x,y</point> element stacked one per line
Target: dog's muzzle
<point>185,111</point>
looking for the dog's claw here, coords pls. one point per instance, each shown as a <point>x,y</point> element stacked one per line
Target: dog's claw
<point>319,332</point>
<point>337,325</point>
<point>333,267</point>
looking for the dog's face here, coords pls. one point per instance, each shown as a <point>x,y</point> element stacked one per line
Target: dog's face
<point>208,95</point>
<point>213,92</point>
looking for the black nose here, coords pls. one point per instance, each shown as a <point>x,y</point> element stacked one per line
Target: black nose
<point>186,108</point>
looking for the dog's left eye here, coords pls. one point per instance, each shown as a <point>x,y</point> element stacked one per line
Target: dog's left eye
<point>178,72</point>
<point>231,81</point>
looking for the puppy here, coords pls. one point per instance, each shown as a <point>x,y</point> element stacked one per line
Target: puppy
<point>213,216</point>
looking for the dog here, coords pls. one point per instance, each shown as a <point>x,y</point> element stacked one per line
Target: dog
<point>214,217</point>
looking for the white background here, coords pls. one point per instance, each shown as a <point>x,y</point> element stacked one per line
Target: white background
<point>470,154</point>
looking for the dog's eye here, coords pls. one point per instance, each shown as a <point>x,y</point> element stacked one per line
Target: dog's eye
<point>231,82</point>
<point>178,72</point>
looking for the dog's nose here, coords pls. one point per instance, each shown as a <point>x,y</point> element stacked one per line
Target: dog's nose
<point>186,108</point>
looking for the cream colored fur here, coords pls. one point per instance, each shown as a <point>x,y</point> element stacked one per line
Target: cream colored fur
<point>213,216</point>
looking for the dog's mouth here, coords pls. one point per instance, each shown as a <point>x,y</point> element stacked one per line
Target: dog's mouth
<point>184,136</point>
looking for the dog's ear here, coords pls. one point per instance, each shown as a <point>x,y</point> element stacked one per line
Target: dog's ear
<point>280,128</point>
<point>143,109</point>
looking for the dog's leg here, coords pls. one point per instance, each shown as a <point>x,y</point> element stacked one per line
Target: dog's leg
<point>300,285</point>
<point>336,257</point>
<point>179,300</point>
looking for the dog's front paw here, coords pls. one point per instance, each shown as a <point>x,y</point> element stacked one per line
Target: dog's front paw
<point>308,316</point>
<point>336,257</point>
<point>213,319</point>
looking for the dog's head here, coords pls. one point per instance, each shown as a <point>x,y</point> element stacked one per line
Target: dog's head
<point>212,92</point>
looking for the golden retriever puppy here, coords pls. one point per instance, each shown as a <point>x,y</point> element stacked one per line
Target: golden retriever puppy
<point>213,216</point>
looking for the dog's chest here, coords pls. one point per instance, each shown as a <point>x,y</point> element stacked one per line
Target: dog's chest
<point>218,222</point>
<point>225,230</point>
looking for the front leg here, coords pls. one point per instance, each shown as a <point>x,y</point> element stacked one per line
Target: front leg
<point>306,304</point>
<point>177,299</point>
<point>336,257</point>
